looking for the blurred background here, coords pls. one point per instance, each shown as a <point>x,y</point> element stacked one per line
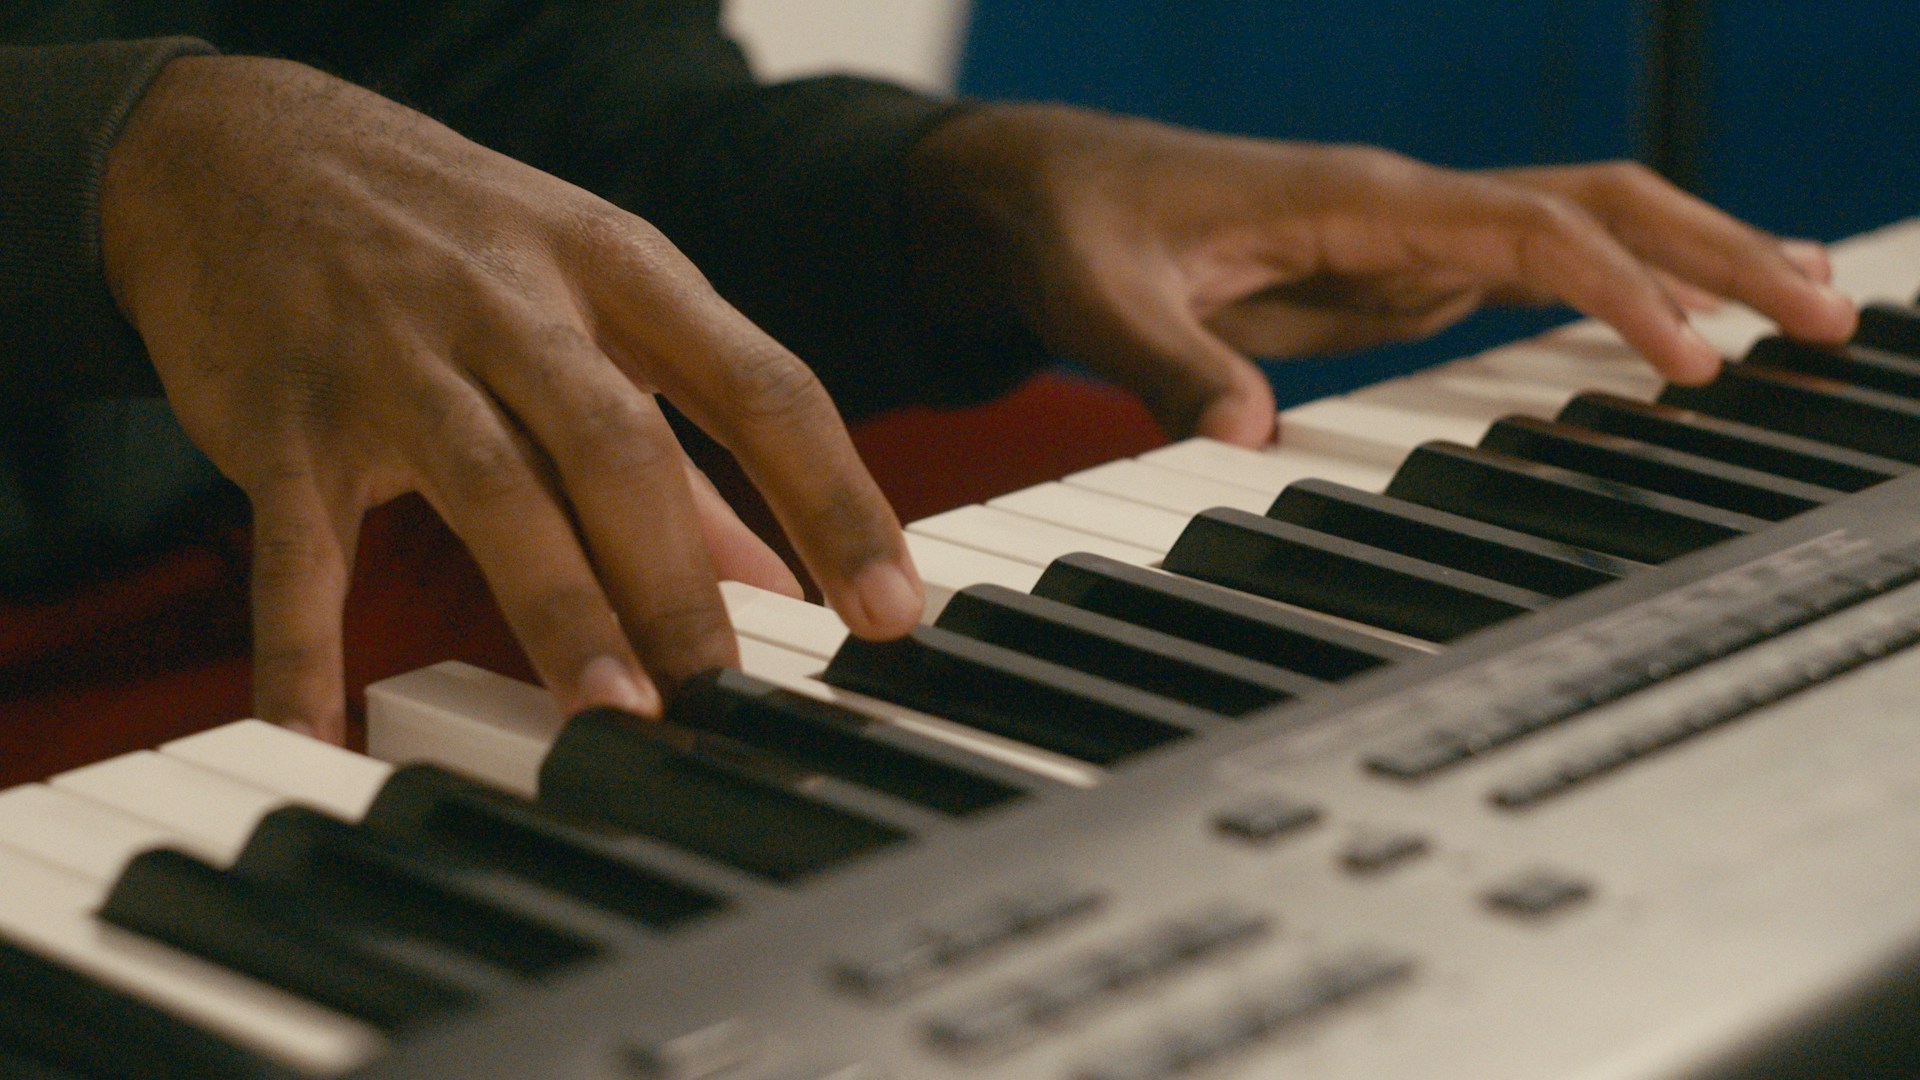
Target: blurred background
<point>1802,116</point>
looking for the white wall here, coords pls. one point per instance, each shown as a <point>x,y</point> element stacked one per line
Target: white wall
<point>915,42</point>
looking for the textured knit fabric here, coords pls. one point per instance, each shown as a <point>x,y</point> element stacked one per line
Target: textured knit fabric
<point>789,197</point>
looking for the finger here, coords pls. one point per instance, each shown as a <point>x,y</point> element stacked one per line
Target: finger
<point>302,562</point>
<point>1689,296</point>
<point>1679,233</point>
<point>737,554</point>
<point>1810,256</point>
<point>486,483</point>
<point>758,400</point>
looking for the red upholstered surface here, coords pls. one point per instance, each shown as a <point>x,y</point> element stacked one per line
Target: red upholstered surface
<point>160,650</point>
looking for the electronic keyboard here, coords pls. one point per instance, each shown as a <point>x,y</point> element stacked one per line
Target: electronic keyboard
<point>1522,718</point>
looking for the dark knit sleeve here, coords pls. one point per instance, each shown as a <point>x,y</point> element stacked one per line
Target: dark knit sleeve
<point>790,197</point>
<point>61,336</point>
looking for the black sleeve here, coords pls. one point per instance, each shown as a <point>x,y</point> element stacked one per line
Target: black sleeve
<point>790,197</point>
<point>61,337</point>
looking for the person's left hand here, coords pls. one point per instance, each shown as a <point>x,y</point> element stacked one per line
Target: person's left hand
<point>1165,258</point>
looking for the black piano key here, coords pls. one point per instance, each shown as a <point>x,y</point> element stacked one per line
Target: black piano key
<point>611,767</point>
<point>366,879</point>
<point>1216,617</point>
<point>275,936</point>
<point>1283,561</point>
<point>430,807</point>
<point>1007,693</point>
<point>1895,327</point>
<point>1731,441</point>
<point>1870,421</point>
<point>1562,505</point>
<point>1162,664</point>
<point>58,1024</point>
<point>1861,365</point>
<point>821,736</point>
<point>1656,468</point>
<point>1489,551</point>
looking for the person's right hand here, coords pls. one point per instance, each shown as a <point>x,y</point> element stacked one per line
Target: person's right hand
<point>346,301</point>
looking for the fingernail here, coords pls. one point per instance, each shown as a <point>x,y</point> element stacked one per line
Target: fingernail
<point>606,681</point>
<point>889,595</point>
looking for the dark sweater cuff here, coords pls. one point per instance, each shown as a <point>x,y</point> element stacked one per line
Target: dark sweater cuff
<point>61,335</point>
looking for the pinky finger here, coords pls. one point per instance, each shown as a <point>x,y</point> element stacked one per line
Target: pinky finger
<point>302,562</point>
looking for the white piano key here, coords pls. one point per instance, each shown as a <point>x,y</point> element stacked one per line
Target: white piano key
<point>1093,512</point>
<point>48,910</point>
<point>946,568</point>
<point>80,835</point>
<point>1466,396</point>
<point>1182,493</point>
<point>1022,539</point>
<point>472,721</point>
<point>301,769</point>
<point>800,673</point>
<point>1268,471</point>
<point>1567,362</point>
<point>768,616</point>
<point>215,812</point>
<point>1371,431</point>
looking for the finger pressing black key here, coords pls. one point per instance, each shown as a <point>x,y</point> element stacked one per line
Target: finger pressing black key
<point>1655,468</point>
<point>1736,443</point>
<point>1162,664</point>
<point>1286,562</point>
<point>1861,365</point>
<point>433,808</point>
<point>1890,326</point>
<point>1870,421</point>
<point>822,737</point>
<point>1010,694</point>
<point>611,767</point>
<point>1562,505</point>
<point>57,1024</point>
<point>1489,551</point>
<point>275,936</point>
<point>1216,617</point>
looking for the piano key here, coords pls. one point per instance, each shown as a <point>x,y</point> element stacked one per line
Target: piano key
<point>213,814</point>
<point>1870,421</point>
<point>1562,505</point>
<point>782,620</point>
<point>1146,659</point>
<point>1109,516</point>
<point>1463,397</point>
<point>1860,365</point>
<point>808,733</point>
<point>431,807</point>
<point>1219,618</point>
<point>56,1023</point>
<point>77,834</point>
<point>1731,441</point>
<point>273,935</point>
<point>1890,326</point>
<point>1567,361</point>
<point>299,768</point>
<point>946,568</point>
<point>1267,471</point>
<point>1015,696</point>
<point>1283,561</point>
<point>50,911</point>
<point>1183,493</point>
<point>1656,468</point>
<point>1370,430</point>
<point>1022,539</point>
<point>799,673</point>
<point>1489,551</point>
<point>609,767</point>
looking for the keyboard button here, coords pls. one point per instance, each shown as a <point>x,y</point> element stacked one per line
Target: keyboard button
<point>1537,895</point>
<point>1264,819</point>
<point>1656,468</point>
<point>1016,696</point>
<point>1563,505</point>
<point>1158,663</point>
<point>1377,853</point>
<point>1313,570</point>
<point>1859,364</point>
<point>612,768</point>
<point>1098,513</point>
<point>1895,327</point>
<point>1461,543</point>
<point>1022,539</point>
<point>1216,617</point>
<point>1731,441</point>
<point>1870,421</point>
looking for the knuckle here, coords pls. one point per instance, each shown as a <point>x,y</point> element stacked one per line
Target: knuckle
<point>612,437</point>
<point>483,468</point>
<point>685,634</point>
<point>766,382</point>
